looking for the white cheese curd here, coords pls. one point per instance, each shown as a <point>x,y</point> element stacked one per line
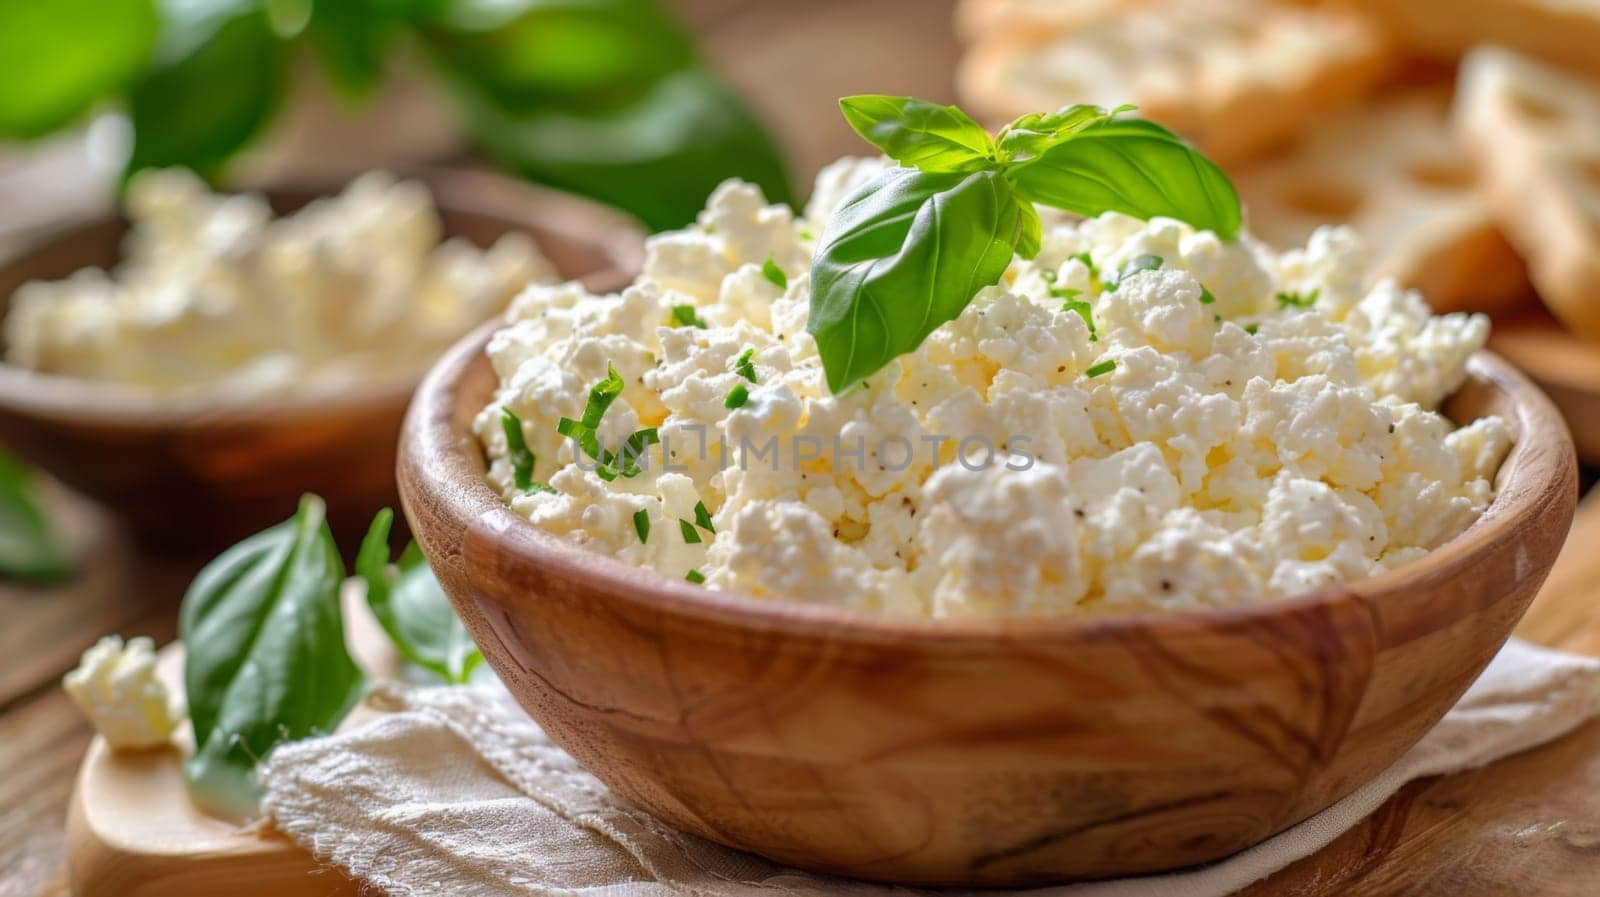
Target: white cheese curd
<point>116,687</point>
<point>214,292</point>
<point>1239,426</point>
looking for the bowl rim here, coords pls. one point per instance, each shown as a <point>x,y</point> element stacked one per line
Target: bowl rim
<point>614,235</point>
<point>436,468</point>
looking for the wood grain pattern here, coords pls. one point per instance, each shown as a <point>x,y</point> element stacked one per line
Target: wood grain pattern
<point>199,474</point>
<point>977,752</point>
<point>42,740</point>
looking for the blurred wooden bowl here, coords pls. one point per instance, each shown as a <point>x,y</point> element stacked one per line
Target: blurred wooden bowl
<point>197,473</point>
<point>978,752</point>
<point>1565,366</point>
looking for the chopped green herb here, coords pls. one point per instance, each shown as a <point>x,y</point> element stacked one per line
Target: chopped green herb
<point>1252,328</point>
<point>1205,296</point>
<point>1104,367</point>
<point>702,517</point>
<point>685,316</point>
<point>805,234</point>
<point>517,451</point>
<point>1135,265</point>
<point>773,273</point>
<point>1065,292</point>
<point>641,524</point>
<point>737,396</point>
<point>690,535</point>
<point>1086,313</point>
<point>744,366</point>
<point>1095,284</point>
<point>608,465</point>
<point>695,576</point>
<point>1298,300</point>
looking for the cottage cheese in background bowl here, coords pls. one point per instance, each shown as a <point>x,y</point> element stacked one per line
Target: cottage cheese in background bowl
<point>215,293</point>
<point>1141,417</point>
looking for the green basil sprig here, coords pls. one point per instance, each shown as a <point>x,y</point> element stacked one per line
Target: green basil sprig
<point>30,549</point>
<point>412,608</point>
<point>266,661</point>
<point>909,250</point>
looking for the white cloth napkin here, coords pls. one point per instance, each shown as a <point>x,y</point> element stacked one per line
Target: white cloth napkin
<point>457,792</point>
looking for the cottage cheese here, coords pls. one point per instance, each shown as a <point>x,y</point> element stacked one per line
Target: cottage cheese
<point>1241,449</point>
<point>216,293</point>
<point>117,688</point>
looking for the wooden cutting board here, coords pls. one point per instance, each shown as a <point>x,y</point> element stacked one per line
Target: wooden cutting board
<point>133,833</point>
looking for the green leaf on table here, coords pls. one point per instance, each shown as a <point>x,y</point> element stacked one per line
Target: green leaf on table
<point>266,658</point>
<point>412,607</point>
<point>62,56</point>
<point>30,549</point>
<point>929,136</point>
<point>217,77</point>
<point>1134,167</point>
<point>905,254</point>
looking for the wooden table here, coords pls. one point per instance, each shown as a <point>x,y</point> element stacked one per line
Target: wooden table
<point>1527,825</point>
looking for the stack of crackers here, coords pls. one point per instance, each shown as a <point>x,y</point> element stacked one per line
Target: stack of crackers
<point>1461,138</point>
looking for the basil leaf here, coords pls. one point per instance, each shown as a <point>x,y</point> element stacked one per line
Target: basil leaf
<point>350,38</point>
<point>918,133</point>
<point>412,607</point>
<point>218,74</point>
<point>63,55</point>
<point>905,254</point>
<point>576,56</point>
<point>1028,136</point>
<point>1134,167</point>
<point>30,549</point>
<point>266,660</point>
<point>604,98</point>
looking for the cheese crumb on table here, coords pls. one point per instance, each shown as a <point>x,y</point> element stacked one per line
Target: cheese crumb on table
<point>1237,426</point>
<point>116,687</point>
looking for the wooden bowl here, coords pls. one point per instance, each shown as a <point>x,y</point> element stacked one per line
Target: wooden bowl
<point>978,752</point>
<point>199,473</point>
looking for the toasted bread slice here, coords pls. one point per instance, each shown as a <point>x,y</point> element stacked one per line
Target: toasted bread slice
<point>1535,132</point>
<point>1237,77</point>
<point>1560,31</point>
<point>974,18</point>
<point>1394,171</point>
